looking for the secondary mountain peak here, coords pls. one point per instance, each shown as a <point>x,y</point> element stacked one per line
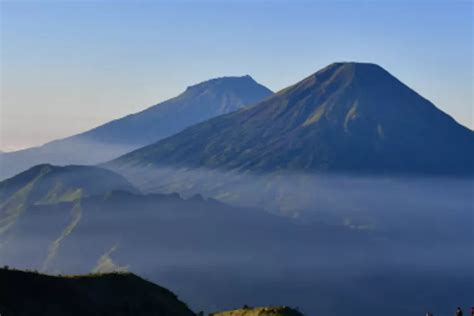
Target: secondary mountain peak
<point>225,82</point>
<point>196,104</point>
<point>232,93</point>
<point>347,117</point>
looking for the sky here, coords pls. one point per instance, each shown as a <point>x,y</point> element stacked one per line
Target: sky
<point>68,66</point>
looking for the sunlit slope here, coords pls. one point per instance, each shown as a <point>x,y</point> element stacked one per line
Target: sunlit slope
<point>345,118</point>
<point>48,184</point>
<point>196,104</point>
<point>260,311</point>
<point>26,293</point>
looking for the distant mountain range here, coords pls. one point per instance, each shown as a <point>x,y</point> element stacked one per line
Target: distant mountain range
<point>63,203</point>
<point>198,103</point>
<point>345,118</point>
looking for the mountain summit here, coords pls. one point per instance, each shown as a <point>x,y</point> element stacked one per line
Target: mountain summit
<point>347,117</point>
<point>198,103</point>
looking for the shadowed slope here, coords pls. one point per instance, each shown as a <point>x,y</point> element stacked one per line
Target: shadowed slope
<point>26,293</point>
<point>347,117</point>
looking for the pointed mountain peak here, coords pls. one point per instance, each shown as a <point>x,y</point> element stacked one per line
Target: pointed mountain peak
<point>343,80</point>
<point>341,72</point>
<point>351,68</point>
<point>353,65</point>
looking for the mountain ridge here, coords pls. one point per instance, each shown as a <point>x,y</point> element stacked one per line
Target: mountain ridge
<point>115,294</point>
<point>47,181</point>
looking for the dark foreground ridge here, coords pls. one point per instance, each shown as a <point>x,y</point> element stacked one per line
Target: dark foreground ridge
<point>30,293</point>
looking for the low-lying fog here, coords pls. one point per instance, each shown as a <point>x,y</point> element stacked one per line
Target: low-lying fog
<point>415,204</point>
<point>344,245</point>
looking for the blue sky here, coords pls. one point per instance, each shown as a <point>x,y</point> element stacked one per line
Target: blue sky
<point>68,66</point>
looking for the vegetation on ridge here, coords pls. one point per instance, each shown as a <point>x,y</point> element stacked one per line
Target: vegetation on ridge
<point>260,311</point>
<point>115,294</point>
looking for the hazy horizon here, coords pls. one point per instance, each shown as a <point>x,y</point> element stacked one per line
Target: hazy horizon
<point>83,66</point>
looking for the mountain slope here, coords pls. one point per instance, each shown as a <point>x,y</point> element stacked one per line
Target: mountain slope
<point>347,117</point>
<point>48,199</point>
<point>49,184</point>
<point>106,294</point>
<point>198,103</point>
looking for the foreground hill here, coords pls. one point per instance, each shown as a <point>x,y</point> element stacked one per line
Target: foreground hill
<point>345,118</point>
<point>260,311</point>
<point>198,103</point>
<point>26,293</point>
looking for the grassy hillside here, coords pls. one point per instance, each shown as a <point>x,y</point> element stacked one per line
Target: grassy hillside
<point>60,191</point>
<point>260,311</point>
<point>48,184</point>
<point>28,293</point>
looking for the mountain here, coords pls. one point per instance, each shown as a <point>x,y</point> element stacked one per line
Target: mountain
<point>198,103</point>
<point>28,293</point>
<point>345,118</point>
